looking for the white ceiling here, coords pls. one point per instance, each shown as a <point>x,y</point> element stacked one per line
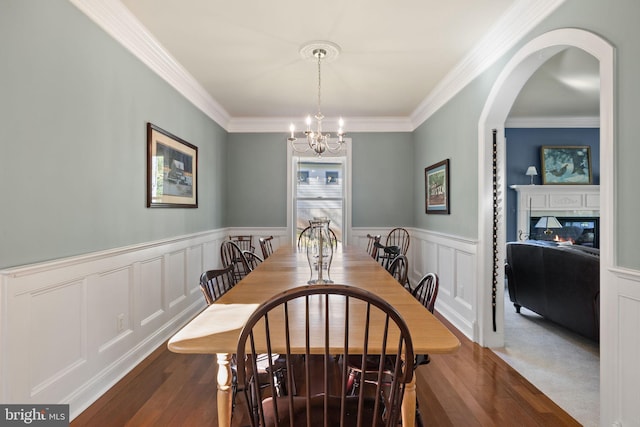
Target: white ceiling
<point>397,58</point>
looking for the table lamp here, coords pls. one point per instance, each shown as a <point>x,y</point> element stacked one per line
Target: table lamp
<point>531,172</point>
<point>548,222</point>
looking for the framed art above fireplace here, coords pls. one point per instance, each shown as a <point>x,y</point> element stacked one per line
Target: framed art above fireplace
<point>566,164</point>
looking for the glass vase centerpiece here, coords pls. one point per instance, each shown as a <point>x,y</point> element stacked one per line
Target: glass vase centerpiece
<point>319,250</point>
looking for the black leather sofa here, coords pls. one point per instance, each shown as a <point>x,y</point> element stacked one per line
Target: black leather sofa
<point>561,283</point>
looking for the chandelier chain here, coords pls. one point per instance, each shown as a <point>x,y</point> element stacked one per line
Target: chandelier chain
<point>320,55</point>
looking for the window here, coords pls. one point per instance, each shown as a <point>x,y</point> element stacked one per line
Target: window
<point>306,175</point>
<point>319,192</point>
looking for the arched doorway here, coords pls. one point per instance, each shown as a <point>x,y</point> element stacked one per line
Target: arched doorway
<point>501,98</point>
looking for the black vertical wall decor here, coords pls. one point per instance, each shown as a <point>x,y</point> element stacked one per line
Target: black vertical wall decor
<point>494,288</point>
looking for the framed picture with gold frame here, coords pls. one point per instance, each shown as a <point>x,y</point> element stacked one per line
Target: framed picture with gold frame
<point>172,170</point>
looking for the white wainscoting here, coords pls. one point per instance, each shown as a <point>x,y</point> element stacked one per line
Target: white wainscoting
<point>71,328</point>
<point>619,325</point>
<point>453,259</point>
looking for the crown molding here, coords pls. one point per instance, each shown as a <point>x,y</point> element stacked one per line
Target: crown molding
<point>519,19</point>
<point>379,124</point>
<point>114,18</point>
<point>553,122</point>
<point>355,124</point>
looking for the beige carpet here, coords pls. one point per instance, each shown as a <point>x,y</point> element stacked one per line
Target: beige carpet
<point>563,365</point>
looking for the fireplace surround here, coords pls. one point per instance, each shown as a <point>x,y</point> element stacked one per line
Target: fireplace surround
<point>577,207</point>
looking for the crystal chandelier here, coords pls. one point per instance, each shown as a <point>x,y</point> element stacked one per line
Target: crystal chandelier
<point>316,140</point>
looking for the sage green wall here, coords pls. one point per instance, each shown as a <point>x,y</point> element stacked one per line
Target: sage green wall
<point>74,106</point>
<point>382,191</point>
<point>382,180</point>
<point>256,180</point>
<point>453,131</point>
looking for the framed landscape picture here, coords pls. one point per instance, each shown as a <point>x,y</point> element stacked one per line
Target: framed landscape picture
<point>436,183</point>
<point>172,170</point>
<point>566,164</point>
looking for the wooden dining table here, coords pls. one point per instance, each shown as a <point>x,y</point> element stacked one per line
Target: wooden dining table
<point>216,329</point>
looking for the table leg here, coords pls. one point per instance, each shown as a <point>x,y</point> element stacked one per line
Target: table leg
<point>409,404</point>
<point>224,393</point>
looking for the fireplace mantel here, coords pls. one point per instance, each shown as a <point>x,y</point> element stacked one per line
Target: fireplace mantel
<point>556,200</point>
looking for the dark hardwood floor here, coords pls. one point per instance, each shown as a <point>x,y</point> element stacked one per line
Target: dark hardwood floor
<point>472,387</point>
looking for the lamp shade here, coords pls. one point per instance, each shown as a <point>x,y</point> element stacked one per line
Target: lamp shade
<point>548,222</point>
<point>531,171</point>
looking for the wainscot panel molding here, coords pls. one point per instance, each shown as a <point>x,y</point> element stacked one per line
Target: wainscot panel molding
<point>453,259</point>
<point>71,328</point>
<point>621,334</point>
